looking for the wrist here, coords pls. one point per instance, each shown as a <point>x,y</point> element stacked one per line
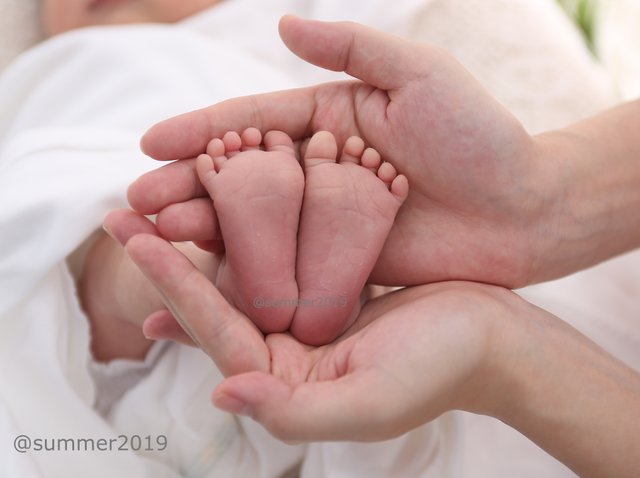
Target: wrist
<point>589,177</point>
<point>488,390</point>
<point>557,233</point>
<point>562,391</point>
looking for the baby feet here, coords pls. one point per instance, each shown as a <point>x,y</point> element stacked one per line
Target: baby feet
<point>349,206</point>
<point>309,275</point>
<point>257,195</point>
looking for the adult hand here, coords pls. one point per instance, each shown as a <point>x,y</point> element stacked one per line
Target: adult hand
<point>327,390</point>
<point>475,206</point>
<point>410,356</point>
<point>373,354</point>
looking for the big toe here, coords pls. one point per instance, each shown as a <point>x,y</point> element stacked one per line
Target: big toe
<point>322,148</point>
<point>278,141</point>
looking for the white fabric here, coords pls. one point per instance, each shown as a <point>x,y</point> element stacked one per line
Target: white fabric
<point>432,450</point>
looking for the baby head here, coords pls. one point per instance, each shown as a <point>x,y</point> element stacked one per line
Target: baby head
<point>59,16</point>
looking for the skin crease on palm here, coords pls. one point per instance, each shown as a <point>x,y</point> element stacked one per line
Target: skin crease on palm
<point>59,16</point>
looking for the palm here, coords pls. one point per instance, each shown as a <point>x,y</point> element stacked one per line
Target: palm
<point>395,335</point>
<point>370,370</point>
<point>456,223</point>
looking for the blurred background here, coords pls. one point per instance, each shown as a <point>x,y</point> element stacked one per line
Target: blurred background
<point>612,30</point>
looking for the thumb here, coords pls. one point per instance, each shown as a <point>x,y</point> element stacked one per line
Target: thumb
<point>349,408</point>
<point>379,59</point>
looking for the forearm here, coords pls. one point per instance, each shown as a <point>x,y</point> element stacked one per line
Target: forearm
<point>592,171</point>
<point>117,297</point>
<point>102,286</point>
<point>567,395</point>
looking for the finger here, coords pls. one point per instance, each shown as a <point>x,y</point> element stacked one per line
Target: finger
<point>162,325</point>
<point>188,135</point>
<point>217,247</point>
<point>173,183</point>
<point>123,224</point>
<point>382,60</point>
<point>193,220</point>
<point>349,408</point>
<point>379,59</point>
<point>227,336</point>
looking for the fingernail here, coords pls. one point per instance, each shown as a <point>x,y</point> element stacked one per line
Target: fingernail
<point>107,230</point>
<point>149,336</point>
<point>231,405</point>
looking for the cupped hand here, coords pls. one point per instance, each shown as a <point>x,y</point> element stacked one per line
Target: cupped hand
<point>476,200</point>
<point>410,356</point>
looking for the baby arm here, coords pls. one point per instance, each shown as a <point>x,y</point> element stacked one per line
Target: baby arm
<point>117,297</point>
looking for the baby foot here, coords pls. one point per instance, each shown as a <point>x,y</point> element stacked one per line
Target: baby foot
<point>257,195</point>
<point>348,210</point>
